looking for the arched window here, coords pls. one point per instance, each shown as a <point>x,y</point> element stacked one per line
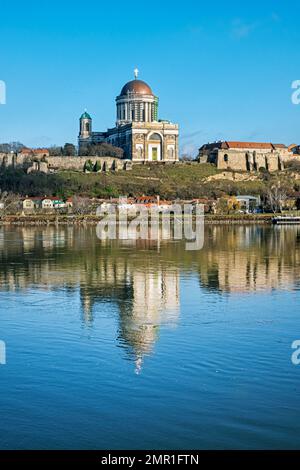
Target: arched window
<point>87,127</point>
<point>226,158</point>
<point>155,136</point>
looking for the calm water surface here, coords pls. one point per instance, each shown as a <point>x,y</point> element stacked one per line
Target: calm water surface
<point>147,345</point>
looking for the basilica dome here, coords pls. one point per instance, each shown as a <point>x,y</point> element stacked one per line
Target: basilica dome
<point>136,86</point>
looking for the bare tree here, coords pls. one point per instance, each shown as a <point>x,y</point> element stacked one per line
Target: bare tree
<point>11,147</point>
<point>187,157</point>
<point>81,205</point>
<point>10,202</point>
<point>276,197</point>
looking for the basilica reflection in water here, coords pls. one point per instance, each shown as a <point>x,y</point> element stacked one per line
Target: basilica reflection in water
<point>142,278</point>
<point>147,297</point>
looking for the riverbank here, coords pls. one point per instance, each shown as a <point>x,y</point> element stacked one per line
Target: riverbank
<point>59,219</point>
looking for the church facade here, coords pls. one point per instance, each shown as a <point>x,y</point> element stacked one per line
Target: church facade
<point>138,130</point>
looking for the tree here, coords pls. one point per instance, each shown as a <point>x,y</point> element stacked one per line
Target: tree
<point>97,166</point>
<point>11,147</point>
<point>69,150</point>
<point>227,205</point>
<point>276,196</point>
<point>88,166</point>
<point>55,151</point>
<point>293,165</point>
<point>83,151</point>
<point>187,157</point>
<point>101,150</point>
<point>222,206</point>
<point>81,205</point>
<point>10,201</point>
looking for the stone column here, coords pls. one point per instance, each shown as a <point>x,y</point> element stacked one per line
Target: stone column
<point>145,148</point>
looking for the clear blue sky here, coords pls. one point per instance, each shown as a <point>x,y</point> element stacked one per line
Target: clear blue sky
<point>222,70</point>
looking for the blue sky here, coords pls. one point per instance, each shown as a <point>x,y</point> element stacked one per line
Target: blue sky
<point>222,70</point>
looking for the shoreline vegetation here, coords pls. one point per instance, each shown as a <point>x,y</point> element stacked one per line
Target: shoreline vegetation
<point>64,219</point>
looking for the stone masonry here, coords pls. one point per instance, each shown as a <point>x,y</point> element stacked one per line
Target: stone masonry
<point>53,164</point>
<point>246,156</point>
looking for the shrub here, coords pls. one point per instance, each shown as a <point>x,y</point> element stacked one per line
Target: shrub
<point>88,166</point>
<point>97,166</point>
<point>293,165</point>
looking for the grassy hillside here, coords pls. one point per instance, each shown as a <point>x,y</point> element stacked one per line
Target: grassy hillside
<point>183,181</point>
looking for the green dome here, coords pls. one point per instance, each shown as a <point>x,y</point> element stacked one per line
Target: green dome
<point>85,115</point>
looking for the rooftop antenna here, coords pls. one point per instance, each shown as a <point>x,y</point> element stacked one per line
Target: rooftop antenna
<point>136,73</point>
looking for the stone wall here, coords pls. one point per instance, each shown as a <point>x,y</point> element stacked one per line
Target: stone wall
<point>12,160</point>
<point>243,160</point>
<point>52,164</point>
<point>77,163</point>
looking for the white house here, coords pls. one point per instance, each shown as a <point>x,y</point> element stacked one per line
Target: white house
<point>47,204</point>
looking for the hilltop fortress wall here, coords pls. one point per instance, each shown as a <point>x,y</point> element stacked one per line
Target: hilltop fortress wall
<point>237,160</point>
<point>243,161</point>
<point>47,164</point>
<point>246,156</point>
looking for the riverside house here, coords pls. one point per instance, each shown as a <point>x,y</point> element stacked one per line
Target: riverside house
<point>46,203</point>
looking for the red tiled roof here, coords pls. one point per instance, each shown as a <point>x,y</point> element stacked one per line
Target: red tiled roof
<point>251,145</point>
<point>146,199</point>
<point>38,198</point>
<point>34,198</point>
<point>51,198</point>
<point>34,151</point>
<point>254,145</point>
<point>41,151</point>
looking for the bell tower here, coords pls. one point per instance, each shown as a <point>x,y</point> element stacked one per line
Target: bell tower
<point>85,127</point>
<point>85,130</point>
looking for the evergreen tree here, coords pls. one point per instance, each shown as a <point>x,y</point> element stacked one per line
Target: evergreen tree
<point>97,166</point>
<point>88,166</point>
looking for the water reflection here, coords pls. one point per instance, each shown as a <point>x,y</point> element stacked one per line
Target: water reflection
<point>142,277</point>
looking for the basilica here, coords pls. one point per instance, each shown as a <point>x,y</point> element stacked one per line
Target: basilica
<point>138,130</point>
